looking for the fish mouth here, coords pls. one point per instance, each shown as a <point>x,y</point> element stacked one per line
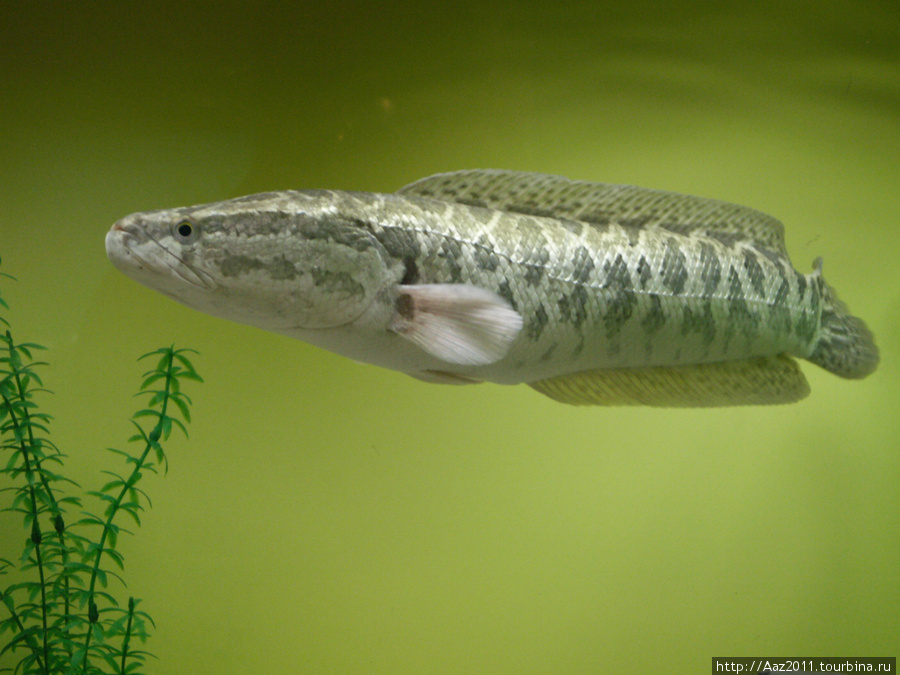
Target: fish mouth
<point>133,250</point>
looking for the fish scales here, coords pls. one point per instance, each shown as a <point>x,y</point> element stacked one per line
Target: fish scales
<point>605,296</point>
<point>590,293</point>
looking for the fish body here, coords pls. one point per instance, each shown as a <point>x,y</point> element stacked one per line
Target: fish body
<point>590,293</point>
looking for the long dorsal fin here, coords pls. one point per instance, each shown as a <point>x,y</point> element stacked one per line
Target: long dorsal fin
<point>602,203</point>
<point>757,381</point>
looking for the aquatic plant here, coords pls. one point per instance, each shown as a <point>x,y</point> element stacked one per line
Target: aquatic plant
<point>62,617</point>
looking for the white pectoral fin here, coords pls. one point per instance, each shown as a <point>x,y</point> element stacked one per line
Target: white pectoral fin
<point>457,323</point>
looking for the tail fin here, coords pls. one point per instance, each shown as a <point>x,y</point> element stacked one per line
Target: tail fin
<point>846,346</point>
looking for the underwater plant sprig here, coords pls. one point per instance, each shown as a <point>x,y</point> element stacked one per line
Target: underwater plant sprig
<point>61,613</point>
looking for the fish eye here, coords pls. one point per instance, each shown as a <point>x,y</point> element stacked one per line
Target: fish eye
<point>186,231</point>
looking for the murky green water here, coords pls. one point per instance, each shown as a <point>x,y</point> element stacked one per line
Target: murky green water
<point>327,516</point>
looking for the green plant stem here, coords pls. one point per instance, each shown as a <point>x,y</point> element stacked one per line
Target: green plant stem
<point>127,639</point>
<point>29,639</point>
<point>35,648</point>
<point>114,507</point>
<point>36,537</point>
<point>48,491</point>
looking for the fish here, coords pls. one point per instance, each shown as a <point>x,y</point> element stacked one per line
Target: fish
<point>590,293</point>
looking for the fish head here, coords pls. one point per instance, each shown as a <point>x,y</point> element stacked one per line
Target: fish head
<point>279,261</point>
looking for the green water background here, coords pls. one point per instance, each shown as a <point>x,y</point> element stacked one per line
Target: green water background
<point>327,516</point>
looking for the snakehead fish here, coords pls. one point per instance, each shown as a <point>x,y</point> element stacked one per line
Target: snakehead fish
<point>589,293</point>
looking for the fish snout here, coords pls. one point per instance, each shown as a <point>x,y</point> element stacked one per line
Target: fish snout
<point>122,240</point>
<point>135,252</point>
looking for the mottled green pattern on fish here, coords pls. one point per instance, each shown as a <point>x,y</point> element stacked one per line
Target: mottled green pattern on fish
<point>513,277</point>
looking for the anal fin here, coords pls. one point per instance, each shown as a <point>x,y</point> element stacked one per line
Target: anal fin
<point>757,381</point>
